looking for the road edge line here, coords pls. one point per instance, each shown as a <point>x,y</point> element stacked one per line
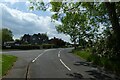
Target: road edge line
<point>65,65</point>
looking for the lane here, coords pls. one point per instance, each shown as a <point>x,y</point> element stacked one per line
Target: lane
<point>77,71</point>
<point>80,68</point>
<point>58,63</point>
<point>26,55</point>
<point>41,54</point>
<point>20,66</point>
<point>48,66</point>
<point>51,63</point>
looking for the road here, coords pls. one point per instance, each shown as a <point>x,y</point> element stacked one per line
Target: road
<point>50,63</point>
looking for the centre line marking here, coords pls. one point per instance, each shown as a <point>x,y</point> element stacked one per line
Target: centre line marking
<point>58,55</point>
<point>59,51</point>
<point>65,65</point>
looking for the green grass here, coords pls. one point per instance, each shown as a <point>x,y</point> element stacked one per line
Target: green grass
<point>6,63</point>
<point>85,54</point>
<point>108,64</point>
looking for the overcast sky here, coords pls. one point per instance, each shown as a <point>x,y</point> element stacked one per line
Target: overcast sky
<point>20,20</point>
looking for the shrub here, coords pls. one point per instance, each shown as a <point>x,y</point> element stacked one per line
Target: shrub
<point>47,46</point>
<point>23,47</point>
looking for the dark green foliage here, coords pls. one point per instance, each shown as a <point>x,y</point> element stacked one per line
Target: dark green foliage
<point>22,47</point>
<point>108,64</point>
<point>57,42</point>
<point>48,46</point>
<point>108,50</point>
<point>6,35</point>
<point>85,54</point>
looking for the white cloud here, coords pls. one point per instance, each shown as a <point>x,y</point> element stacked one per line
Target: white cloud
<point>13,1</point>
<point>28,23</point>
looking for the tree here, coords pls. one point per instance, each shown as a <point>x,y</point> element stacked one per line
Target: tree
<point>57,42</point>
<point>74,20</point>
<point>6,35</point>
<point>96,14</point>
<point>114,16</point>
<point>73,24</point>
<point>43,37</point>
<point>18,41</point>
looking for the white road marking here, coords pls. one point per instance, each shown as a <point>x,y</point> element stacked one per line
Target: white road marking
<point>58,55</point>
<point>65,65</point>
<point>41,55</point>
<point>59,51</point>
<point>37,57</point>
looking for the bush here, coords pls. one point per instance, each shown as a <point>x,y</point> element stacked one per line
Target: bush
<point>109,64</point>
<point>83,53</point>
<point>47,46</point>
<point>22,47</point>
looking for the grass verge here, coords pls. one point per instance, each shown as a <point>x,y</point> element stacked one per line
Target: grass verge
<point>84,54</point>
<point>6,63</point>
<point>109,65</point>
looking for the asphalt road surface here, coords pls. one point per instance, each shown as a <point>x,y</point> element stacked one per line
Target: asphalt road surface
<point>51,63</point>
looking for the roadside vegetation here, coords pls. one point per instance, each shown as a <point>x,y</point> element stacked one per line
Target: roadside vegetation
<point>108,64</point>
<point>6,63</point>
<point>85,54</point>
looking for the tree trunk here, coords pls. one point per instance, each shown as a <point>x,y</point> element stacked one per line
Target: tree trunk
<point>113,18</point>
<point>111,7</point>
<point>75,47</point>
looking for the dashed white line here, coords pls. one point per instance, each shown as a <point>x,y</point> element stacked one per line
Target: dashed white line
<point>59,51</point>
<point>65,65</point>
<point>58,55</point>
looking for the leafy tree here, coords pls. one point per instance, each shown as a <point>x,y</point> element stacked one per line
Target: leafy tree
<point>6,35</point>
<point>57,42</point>
<point>43,38</point>
<point>18,41</point>
<point>92,15</point>
<point>74,20</point>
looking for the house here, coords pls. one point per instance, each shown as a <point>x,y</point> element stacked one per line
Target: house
<point>57,42</point>
<point>35,39</point>
<point>26,39</point>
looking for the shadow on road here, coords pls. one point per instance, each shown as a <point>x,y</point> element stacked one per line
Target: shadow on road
<point>84,63</point>
<point>78,76</point>
<point>97,72</point>
<point>75,75</point>
<point>99,76</point>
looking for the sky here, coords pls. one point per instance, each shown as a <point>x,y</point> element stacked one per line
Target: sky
<point>16,16</point>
